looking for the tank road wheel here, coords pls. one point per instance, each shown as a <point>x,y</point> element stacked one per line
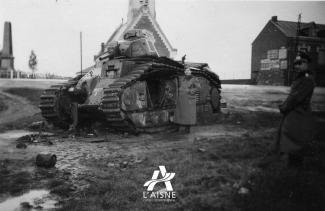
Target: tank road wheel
<point>56,107</point>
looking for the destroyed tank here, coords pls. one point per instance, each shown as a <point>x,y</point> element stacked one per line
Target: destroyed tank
<point>131,88</point>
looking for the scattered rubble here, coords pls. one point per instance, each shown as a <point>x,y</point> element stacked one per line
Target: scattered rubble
<point>110,165</point>
<point>26,206</point>
<point>37,125</point>
<point>21,146</point>
<point>124,164</point>
<point>46,160</point>
<point>243,191</point>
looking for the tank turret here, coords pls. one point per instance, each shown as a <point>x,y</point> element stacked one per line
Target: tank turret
<point>135,43</point>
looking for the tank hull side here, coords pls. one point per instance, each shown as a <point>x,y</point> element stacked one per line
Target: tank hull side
<point>131,103</point>
<point>140,96</point>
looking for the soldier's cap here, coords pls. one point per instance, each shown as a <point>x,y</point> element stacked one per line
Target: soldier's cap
<point>301,57</point>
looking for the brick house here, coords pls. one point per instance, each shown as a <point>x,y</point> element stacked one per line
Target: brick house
<point>273,51</point>
<point>142,15</point>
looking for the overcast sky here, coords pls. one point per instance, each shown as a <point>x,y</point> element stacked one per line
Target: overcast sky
<point>216,32</point>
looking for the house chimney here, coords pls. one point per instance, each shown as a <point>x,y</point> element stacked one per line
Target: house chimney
<point>274,18</point>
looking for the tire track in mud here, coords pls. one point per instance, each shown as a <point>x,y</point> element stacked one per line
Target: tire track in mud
<point>18,107</point>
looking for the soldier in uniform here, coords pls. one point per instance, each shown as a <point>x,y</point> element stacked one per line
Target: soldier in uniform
<point>297,129</point>
<point>77,95</point>
<point>185,114</point>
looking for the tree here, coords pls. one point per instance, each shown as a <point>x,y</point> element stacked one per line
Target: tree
<point>32,63</point>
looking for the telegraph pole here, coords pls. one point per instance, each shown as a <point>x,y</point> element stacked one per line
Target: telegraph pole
<point>297,33</point>
<point>81,53</point>
<point>296,49</point>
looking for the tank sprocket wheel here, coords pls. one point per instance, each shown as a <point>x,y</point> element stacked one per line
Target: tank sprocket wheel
<point>55,107</point>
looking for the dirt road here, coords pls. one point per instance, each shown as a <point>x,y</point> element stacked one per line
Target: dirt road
<point>17,107</point>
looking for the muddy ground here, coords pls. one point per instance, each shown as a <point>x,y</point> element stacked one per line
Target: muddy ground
<point>216,165</point>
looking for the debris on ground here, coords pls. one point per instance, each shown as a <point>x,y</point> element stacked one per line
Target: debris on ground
<point>46,160</point>
<point>36,125</point>
<point>110,165</point>
<point>243,191</point>
<point>21,146</point>
<point>26,138</point>
<point>34,138</point>
<point>124,164</point>
<point>140,160</point>
<point>26,206</point>
<point>91,135</point>
<point>201,150</point>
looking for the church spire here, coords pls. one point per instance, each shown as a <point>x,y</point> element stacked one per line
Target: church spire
<point>136,6</point>
<point>142,15</point>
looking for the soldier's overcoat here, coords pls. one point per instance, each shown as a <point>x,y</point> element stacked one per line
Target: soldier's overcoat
<point>185,113</point>
<point>298,126</point>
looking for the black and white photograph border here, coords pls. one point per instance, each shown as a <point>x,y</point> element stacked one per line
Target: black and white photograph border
<point>162,105</point>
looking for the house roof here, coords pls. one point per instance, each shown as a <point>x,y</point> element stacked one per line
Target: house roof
<point>289,28</point>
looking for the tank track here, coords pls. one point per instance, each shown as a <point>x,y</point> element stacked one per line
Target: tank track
<point>111,101</point>
<point>49,104</point>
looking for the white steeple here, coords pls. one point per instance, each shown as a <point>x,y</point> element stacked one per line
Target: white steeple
<point>136,6</point>
<point>142,15</point>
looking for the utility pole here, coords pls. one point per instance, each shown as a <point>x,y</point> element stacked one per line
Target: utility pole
<point>296,48</point>
<point>297,33</point>
<point>81,53</point>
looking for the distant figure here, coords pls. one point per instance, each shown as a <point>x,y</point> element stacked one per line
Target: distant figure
<point>297,129</point>
<point>185,114</point>
<point>183,59</point>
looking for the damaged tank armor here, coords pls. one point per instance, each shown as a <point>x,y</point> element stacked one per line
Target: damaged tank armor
<point>130,88</point>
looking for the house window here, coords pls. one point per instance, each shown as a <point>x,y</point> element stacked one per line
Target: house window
<point>265,64</point>
<point>321,57</point>
<point>304,47</point>
<point>282,53</point>
<point>273,54</point>
<point>283,64</point>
